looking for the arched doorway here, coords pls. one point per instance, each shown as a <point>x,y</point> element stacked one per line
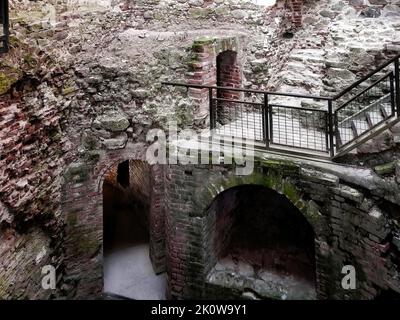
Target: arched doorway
<point>262,246</point>
<point>128,271</point>
<point>228,74</point>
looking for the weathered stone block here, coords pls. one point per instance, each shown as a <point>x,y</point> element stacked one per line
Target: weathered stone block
<point>349,193</point>
<point>319,177</point>
<point>117,142</point>
<point>112,120</point>
<point>386,168</point>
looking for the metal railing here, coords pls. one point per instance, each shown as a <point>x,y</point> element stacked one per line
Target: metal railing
<point>4,26</point>
<point>308,124</point>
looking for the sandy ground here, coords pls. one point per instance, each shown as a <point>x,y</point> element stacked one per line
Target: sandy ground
<point>128,272</point>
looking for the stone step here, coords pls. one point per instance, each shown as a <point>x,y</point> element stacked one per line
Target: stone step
<point>359,126</point>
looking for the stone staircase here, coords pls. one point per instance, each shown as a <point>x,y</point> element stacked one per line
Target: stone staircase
<point>368,108</point>
<point>329,128</point>
<point>364,120</point>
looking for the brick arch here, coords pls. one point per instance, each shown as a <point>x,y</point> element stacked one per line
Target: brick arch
<point>110,159</point>
<point>203,69</point>
<point>82,207</point>
<point>203,196</point>
<point>284,186</point>
<point>157,212</point>
<point>271,227</point>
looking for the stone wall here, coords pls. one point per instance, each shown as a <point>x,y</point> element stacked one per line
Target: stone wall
<point>351,228</point>
<point>87,89</point>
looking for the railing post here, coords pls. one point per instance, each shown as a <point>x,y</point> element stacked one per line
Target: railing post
<point>265,120</point>
<point>6,26</point>
<point>397,84</point>
<point>392,94</point>
<point>337,135</point>
<point>271,125</point>
<point>331,128</point>
<point>327,131</point>
<point>210,101</point>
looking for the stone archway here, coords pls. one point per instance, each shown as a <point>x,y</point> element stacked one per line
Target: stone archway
<point>209,53</point>
<point>261,246</point>
<point>127,222</point>
<point>284,186</point>
<point>83,212</point>
<point>156,194</point>
<point>190,233</point>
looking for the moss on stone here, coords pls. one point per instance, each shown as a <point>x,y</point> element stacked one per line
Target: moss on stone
<point>273,181</point>
<point>6,81</point>
<point>77,172</point>
<point>198,13</point>
<point>72,218</point>
<point>88,245</point>
<point>312,214</point>
<point>85,243</point>
<point>291,192</point>
<point>30,60</point>
<point>68,90</point>
<point>3,288</point>
<point>280,165</point>
<point>386,168</point>
<point>203,41</point>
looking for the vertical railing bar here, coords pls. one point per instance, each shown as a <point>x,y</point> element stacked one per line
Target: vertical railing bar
<point>307,144</point>
<point>271,128</point>
<point>331,129</point>
<point>265,120</point>
<point>392,94</point>
<point>6,26</point>
<point>397,84</point>
<point>326,131</point>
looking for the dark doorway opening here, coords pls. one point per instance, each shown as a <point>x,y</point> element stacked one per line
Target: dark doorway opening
<point>264,241</point>
<point>128,271</point>
<point>123,174</point>
<point>228,75</point>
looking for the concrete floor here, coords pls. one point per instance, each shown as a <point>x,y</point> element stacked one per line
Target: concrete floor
<point>287,131</point>
<point>128,272</point>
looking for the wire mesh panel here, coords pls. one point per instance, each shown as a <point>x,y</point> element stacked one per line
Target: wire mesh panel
<point>240,119</point>
<point>312,123</point>
<point>4,26</point>
<point>299,127</point>
<point>366,110</point>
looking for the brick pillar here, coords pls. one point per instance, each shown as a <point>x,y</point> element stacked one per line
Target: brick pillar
<point>157,219</point>
<point>296,7</point>
<point>202,72</point>
<point>228,75</point>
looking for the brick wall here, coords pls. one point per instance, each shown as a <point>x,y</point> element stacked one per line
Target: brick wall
<point>203,71</point>
<point>189,231</point>
<point>83,210</point>
<point>229,74</point>
<point>350,227</point>
<point>296,7</point>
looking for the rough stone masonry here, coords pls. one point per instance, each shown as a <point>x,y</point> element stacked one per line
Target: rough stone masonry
<point>81,87</point>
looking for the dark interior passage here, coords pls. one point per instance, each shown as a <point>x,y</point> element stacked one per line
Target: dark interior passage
<point>260,234</point>
<point>125,219</point>
<point>128,270</point>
